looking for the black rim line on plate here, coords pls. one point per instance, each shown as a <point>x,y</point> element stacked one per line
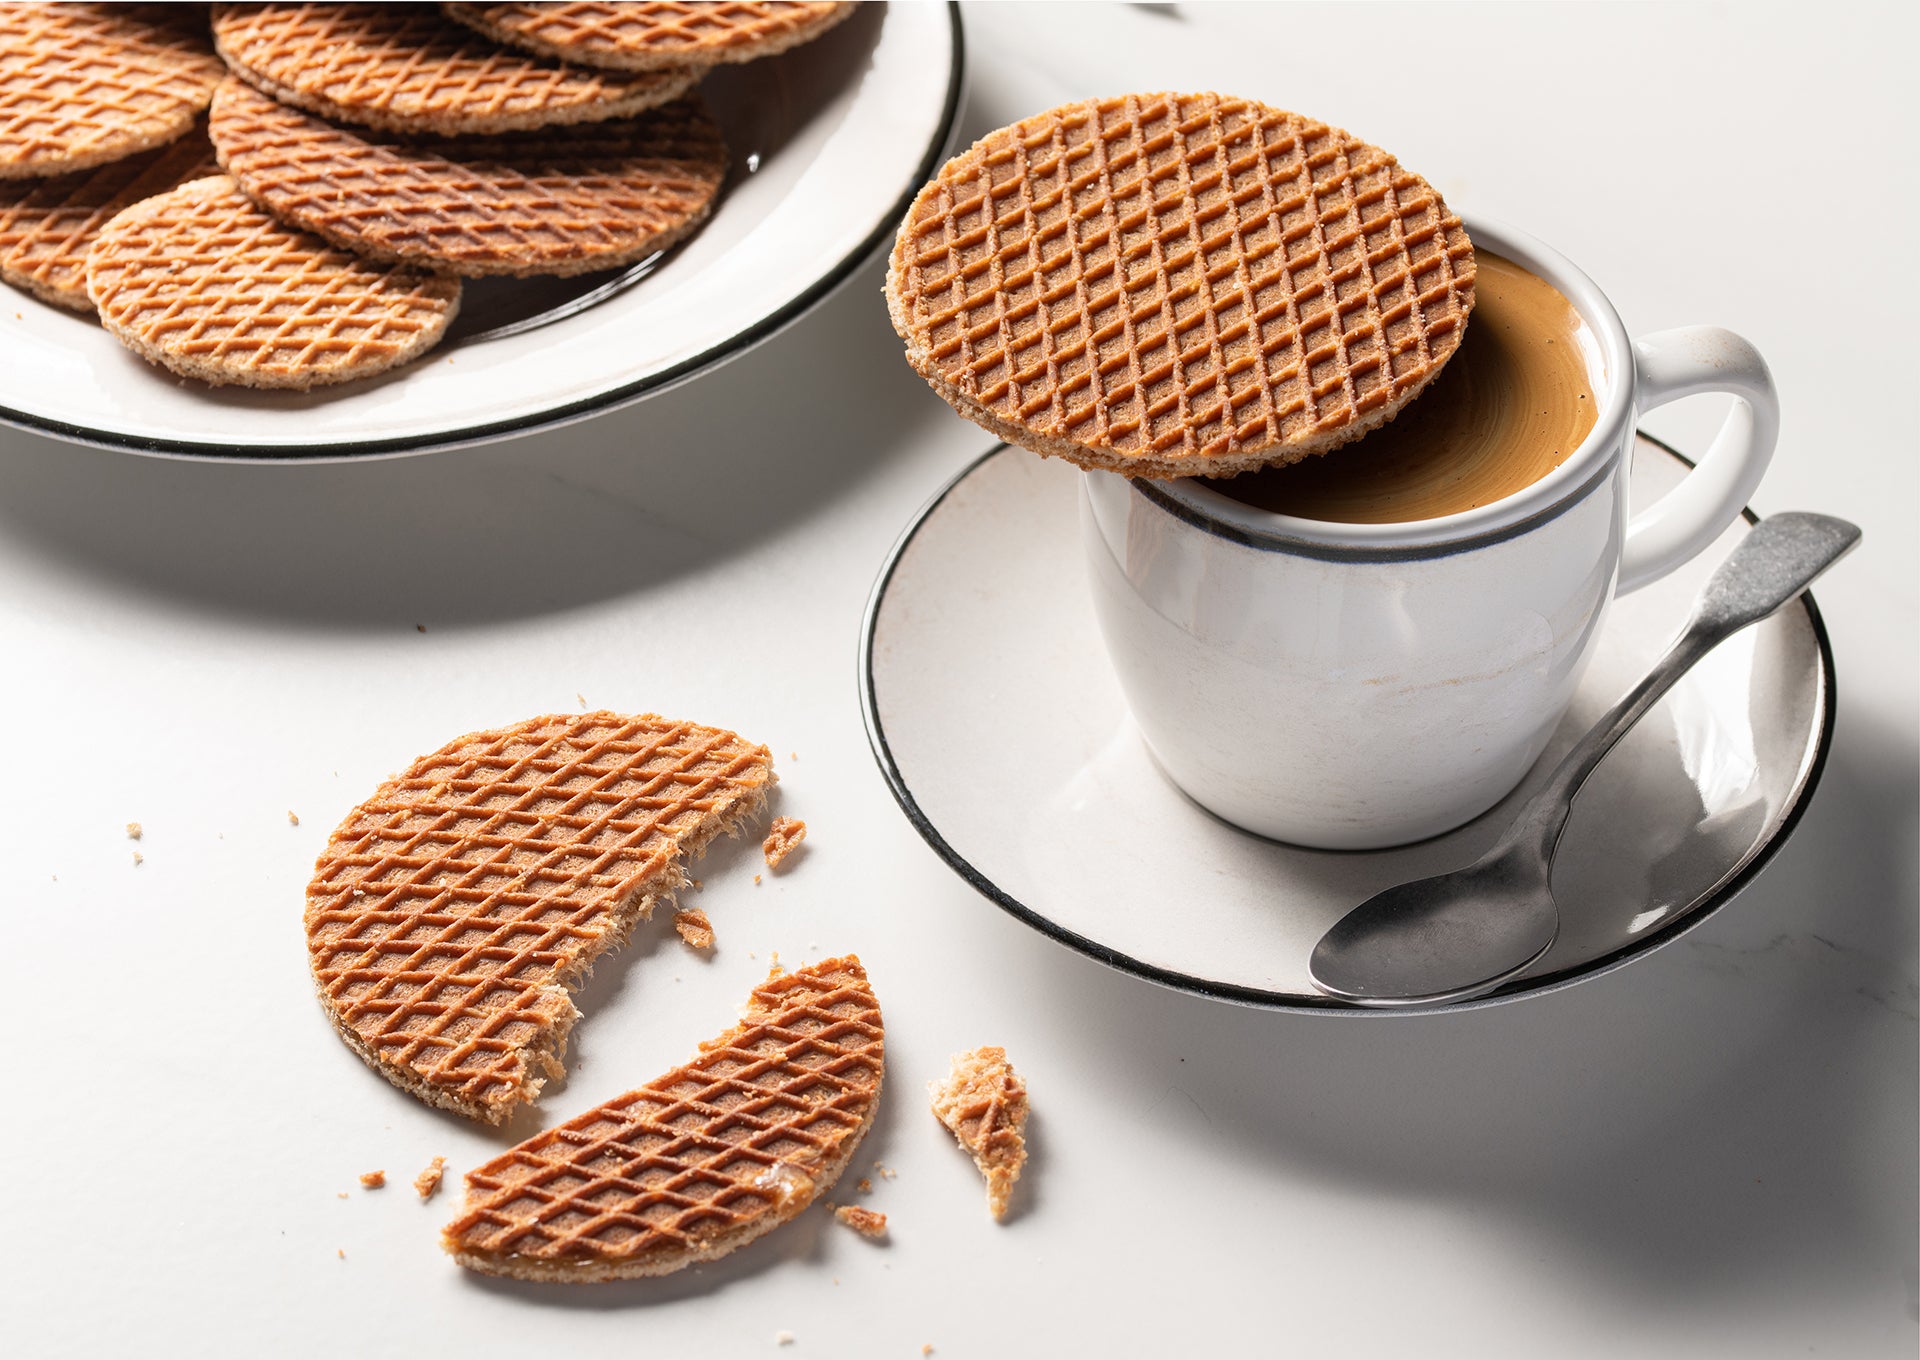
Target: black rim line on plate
<point>732,347</point>
<point>1289,1001</point>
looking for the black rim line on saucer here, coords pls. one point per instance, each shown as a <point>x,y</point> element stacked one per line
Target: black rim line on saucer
<point>1290,1001</point>
<point>732,347</point>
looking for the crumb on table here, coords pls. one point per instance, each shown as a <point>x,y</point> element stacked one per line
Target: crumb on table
<point>783,837</point>
<point>139,858</point>
<point>694,927</point>
<point>428,1181</point>
<point>866,1222</point>
<point>783,1338</point>
<point>373,1180</point>
<point>983,1102</point>
<point>293,818</point>
<point>134,831</point>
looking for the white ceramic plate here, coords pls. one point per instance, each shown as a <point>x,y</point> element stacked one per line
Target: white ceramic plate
<point>829,142</point>
<point>1000,727</point>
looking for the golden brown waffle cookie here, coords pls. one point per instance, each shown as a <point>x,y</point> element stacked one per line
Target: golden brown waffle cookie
<point>984,1102</point>
<point>407,68</point>
<point>1173,285</point>
<point>451,912</point>
<point>699,1161</point>
<point>82,85</point>
<point>199,280</point>
<point>562,201</point>
<point>47,225</point>
<point>650,36</point>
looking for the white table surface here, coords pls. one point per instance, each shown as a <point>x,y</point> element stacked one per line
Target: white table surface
<point>1710,1153</point>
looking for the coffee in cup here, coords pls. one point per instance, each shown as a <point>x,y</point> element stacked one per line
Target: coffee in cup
<point>1514,402</point>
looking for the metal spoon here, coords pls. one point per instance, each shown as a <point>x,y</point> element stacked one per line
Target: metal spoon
<point>1461,934</point>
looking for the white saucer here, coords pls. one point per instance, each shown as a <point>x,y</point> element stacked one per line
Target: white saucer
<point>1001,729</point>
<point>829,142</point>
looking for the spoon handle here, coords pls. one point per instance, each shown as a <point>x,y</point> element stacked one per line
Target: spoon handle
<point>1772,565</point>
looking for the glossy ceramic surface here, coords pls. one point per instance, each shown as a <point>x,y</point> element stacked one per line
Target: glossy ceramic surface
<point>997,719</point>
<point>829,141</point>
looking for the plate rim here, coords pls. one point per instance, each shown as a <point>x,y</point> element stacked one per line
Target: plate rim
<point>468,436</point>
<point>1289,1002</point>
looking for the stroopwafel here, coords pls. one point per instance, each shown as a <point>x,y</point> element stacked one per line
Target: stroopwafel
<point>452,911</point>
<point>983,1103</point>
<point>409,69</point>
<point>82,84</point>
<point>1174,285</point>
<point>696,1162</point>
<point>561,201</point>
<point>649,36</point>
<point>47,225</point>
<point>201,281</point>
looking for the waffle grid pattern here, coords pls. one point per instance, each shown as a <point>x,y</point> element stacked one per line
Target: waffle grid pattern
<point>81,85</point>
<point>740,1138</point>
<point>1170,277</point>
<point>451,909</point>
<point>48,225</point>
<point>560,202</point>
<point>984,1103</point>
<point>650,35</point>
<point>407,68</point>
<point>201,280</point>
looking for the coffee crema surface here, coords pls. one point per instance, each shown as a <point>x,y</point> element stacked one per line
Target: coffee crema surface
<point>1512,404</point>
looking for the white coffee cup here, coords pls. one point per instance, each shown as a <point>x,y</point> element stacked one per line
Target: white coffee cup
<point>1352,686</point>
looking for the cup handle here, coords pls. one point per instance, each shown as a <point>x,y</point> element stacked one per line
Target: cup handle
<point>1680,363</point>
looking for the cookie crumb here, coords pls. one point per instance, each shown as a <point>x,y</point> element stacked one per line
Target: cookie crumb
<point>134,831</point>
<point>694,927</point>
<point>293,818</point>
<point>373,1180</point>
<point>756,880</point>
<point>581,697</point>
<point>139,858</point>
<point>927,1349</point>
<point>783,838</point>
<point>419,627</point>
<point>428,1181</point>
<point>783,1338</point>
<point>793,755</point>
<point>983,1102</point>
<point>866,1186</point>
<point>866,1222</point>
<point>341,1195</point>
<point>341,1253</point>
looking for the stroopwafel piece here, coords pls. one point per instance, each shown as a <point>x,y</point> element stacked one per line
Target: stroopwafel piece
<point>560,201</point>
<point>1170,285</point>
<point>699,1161</point>
<point>201,281</point>
<point>654,34</point>
<point>983,1103</point>
<point>47,225</point>
<point>452,911</point>
<point>409,69</point>
<point>82,85</point>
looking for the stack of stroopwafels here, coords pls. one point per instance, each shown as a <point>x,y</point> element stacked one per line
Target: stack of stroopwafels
<point>373,155</point>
